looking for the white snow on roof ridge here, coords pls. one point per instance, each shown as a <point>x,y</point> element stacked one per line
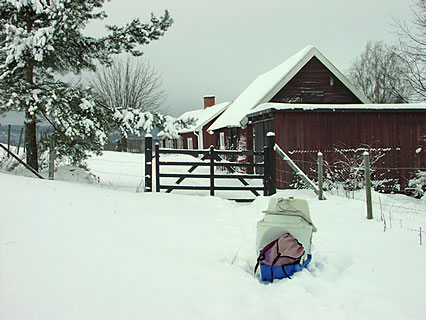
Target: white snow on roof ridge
<point>202,116</point>
<point>258,90</point>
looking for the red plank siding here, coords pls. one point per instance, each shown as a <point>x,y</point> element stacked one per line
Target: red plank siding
<point>303,133</point>
<point>314,76</point>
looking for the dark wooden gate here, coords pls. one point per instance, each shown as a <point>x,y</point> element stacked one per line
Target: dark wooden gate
<point>212,158</point>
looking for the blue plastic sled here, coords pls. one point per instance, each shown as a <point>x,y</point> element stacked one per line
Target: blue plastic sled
<point>269,273</point>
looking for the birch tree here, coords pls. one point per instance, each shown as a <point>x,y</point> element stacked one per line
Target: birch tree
<point>379,73</point>
<point>412,48</point>
<point>130,84</point>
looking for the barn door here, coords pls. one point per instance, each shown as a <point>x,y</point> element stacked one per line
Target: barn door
<point>260,129</point>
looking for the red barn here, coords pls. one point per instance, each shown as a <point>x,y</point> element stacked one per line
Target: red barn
<point>307,77</point>
<point>313,107</point>
<point>395,134</point>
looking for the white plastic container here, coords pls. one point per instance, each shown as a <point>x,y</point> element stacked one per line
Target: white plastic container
<point>286,215</point>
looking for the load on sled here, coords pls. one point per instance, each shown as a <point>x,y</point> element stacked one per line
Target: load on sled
<point>284,238</point>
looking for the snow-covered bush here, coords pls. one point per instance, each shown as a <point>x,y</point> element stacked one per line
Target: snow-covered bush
<point>417,185</point>
<point>344,170</point>
<point>346,173</point>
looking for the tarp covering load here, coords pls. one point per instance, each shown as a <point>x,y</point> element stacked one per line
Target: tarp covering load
<point>284,238</point>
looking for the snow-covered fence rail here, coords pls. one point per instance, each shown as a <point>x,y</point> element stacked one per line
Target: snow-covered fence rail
<point>21,161</point>
<point>212,159</point>
<point>298,171</point>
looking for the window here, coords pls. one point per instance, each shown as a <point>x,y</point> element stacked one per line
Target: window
<point>222,140</point>
<point>189,143</point>
<point>180,143</point>
<point>232,138</point>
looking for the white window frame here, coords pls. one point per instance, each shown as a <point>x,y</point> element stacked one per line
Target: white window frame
<point>222,140</point>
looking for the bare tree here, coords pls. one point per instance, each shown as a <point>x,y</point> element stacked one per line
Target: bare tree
<point>129,83</point>
<point>412,41</point>
<point>378,73</point>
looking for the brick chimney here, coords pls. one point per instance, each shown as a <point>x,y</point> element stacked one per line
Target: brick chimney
<point>209,101</point>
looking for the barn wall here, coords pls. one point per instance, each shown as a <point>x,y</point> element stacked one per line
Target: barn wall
<point>397,135</point>
<point>314,76</point>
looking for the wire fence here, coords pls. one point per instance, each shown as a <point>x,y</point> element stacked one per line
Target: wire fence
<point>376,168</point>
<point>406,213</point>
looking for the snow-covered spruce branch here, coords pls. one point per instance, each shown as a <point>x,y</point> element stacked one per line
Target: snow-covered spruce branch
<point>34,30</point>
<point>131,121</point>
<point>41,39</point>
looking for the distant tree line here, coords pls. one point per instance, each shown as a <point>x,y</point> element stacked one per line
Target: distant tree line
<point>395,73</point>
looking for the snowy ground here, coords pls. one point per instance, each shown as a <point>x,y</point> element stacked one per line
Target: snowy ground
<point>86,251</point>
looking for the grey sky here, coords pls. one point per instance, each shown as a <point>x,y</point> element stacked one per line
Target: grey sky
<point>218,47</point>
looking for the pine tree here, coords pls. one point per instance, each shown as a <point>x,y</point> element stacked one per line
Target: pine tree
<point>41,39</point>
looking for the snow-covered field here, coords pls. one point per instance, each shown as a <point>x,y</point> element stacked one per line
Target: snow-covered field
<point>74,250</point>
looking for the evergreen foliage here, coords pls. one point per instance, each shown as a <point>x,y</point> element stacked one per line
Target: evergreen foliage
<point>41,39</point>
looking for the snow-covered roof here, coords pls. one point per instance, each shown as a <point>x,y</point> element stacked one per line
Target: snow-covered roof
<point>202,116</point>
<point>267,107</point>
<point>267,85</point>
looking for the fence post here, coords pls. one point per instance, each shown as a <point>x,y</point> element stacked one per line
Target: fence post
<point>368,185</point>
<point>157,167</point>
<point>211,153</point>
<point>320,177</point>
<point>8,142</point>
<point>266,173</point>
<point>20,140</point>
<point>52,157</point>
<point>270,143</point>
<point>148,162</point>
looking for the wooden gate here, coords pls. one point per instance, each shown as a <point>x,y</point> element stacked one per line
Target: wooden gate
<point>212,158</point>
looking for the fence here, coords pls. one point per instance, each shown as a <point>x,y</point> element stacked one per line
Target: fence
<point>356,175</point>
<point>346,167</point>
<point>212,159</point>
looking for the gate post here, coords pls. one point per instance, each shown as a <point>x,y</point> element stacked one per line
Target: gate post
<point>148,162</point>
<point>157,167</point>
<point>211,153</point>
<point>270,143</point>
<point>266,174</point>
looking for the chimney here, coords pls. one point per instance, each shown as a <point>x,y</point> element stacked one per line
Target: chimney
<point>209,101</point>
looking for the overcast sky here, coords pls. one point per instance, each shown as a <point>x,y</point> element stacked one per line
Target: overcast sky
<point>218,47</point>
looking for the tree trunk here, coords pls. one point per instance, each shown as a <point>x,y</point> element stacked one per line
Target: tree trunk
<point>31,140</point>
<point>30,126</point>
<point>30,119</point>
